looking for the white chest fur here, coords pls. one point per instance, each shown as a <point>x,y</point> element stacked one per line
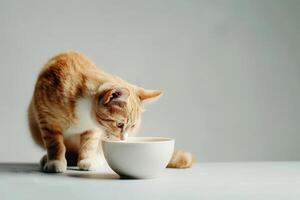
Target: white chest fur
<point>84,120</point>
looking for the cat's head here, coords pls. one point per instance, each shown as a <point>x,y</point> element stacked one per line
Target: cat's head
<point>118,108</point>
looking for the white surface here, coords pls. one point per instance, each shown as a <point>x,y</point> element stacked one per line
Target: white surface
<point>139,157</point>
<point>230,70</point>
<point>207,181</point>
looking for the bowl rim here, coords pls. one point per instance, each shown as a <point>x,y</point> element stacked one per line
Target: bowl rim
<point>154,138</point>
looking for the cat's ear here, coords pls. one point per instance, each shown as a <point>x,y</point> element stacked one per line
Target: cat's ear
<point>117,94</point>
<point>148,95</point>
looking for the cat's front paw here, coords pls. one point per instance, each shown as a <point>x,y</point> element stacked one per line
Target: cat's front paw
<point>55,166</point>
<point>89,164</point>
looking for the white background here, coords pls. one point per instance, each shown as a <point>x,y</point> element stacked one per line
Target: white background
<point>229,69</point>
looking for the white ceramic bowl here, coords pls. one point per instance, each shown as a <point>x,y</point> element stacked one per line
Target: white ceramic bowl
<point>138,157</point>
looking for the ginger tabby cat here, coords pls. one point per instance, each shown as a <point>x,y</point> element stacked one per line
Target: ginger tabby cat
<point>74,104</point>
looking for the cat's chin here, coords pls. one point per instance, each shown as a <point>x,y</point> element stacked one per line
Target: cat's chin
<point>111,137</point>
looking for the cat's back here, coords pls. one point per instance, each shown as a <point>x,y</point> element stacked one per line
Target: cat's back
<point>61,82</point>
<point>69,62</point>
<point>63,73</point>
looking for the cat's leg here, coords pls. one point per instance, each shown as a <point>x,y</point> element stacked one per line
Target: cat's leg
<point>43,161</point>
<point>55,161</point>
<point>88,158</point>
<point>181,159</point>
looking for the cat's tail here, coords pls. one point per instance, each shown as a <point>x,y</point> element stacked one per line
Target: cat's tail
<point>181,159</point>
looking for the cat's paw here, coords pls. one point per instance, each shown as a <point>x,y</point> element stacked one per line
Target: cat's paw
<point>181,159</point>
<point>43,161</point>
<point>89,164</point>
<point>55,166</point>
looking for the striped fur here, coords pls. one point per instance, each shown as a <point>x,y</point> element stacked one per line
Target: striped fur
<point>67,86</point>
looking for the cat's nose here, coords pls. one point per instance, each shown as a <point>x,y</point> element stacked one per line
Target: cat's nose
<point>123,136</point>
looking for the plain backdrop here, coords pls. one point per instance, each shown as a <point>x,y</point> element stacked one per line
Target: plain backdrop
<point>229,69</point>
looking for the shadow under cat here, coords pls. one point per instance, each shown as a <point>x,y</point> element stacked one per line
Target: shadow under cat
<point>72,172</point>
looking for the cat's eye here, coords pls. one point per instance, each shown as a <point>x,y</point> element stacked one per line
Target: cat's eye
<point>133,126</point>
<point>120,125</point>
